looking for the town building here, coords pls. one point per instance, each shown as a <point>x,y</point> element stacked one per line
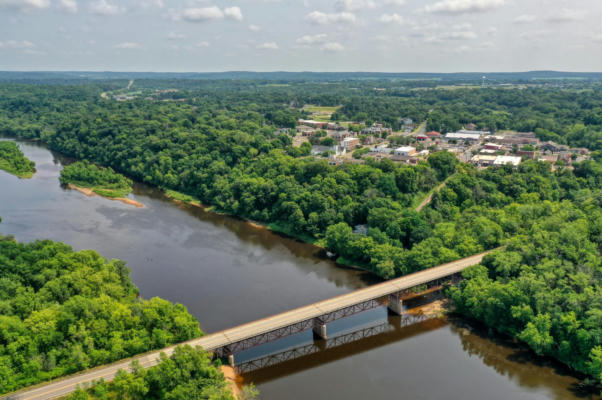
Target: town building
<point>312,123</point>
<point>504,160</point>
<point>405,151</point>
<point>462,136</point>
<point>350,143</point>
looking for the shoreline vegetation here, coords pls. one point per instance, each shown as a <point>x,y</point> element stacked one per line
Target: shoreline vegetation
<point>13,161</point>
<point>91,180</point>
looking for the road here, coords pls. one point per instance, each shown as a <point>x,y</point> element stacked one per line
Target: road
<point>64,386</point>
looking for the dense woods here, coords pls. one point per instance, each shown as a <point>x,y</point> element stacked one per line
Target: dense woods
<point>12,160</point>
<point>63,311</point>
<point>217,144</point>
<point>103,181</point>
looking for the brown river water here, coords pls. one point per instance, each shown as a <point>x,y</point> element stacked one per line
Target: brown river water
<point>227,272</point>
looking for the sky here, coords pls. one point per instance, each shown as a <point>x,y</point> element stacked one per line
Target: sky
<point>301,35</point>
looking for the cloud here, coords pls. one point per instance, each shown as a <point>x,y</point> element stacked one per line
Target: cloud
<point>455,35</point>
<point>525,18</point>
<point>17,44</point>
<point>391,18</point>
<point>176,36</point>
<point>204,43</point>
<point>462,6</point>
<point>101,7</point>
<point>68,5</point>
<point>254,28</point>
<point>202,14</point>
<point>354,5</point>
<point>234,13</point>
<point>320,18</point>
<point>268,46</point>
<point>462,27</point>
<point>394,2</point>
<point>128,45</point>
<point>332,47</point>
<point>25,5</point>
<point>309,40</point>
<point>566,15</point>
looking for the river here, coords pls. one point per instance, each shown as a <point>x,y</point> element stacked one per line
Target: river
<point>227,272</point>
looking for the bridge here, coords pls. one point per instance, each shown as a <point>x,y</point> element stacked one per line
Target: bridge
<point>315,316</point>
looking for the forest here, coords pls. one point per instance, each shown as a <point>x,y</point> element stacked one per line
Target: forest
<point>215,141</point>
<point>187,374</point>
<point>13,161</point>
<point>63,311</point>
<point>103,181</point>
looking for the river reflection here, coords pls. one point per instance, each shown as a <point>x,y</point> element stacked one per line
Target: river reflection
<point>228,272</point>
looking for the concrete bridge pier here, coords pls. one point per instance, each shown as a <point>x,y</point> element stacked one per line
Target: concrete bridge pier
<point>231,360</point>
<point>395,304</point>
<point>319,329</point>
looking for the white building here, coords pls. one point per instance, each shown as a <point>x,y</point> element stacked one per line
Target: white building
<point>405,151</point>
<point>383,149</point>
<point>503,160</point>
<point>463,136</point>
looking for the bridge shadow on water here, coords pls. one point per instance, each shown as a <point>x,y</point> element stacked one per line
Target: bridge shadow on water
<point>348,337</point>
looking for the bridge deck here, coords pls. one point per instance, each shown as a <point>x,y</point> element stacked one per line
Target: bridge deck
<point>252,329</point>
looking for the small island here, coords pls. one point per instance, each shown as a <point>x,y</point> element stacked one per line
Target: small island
<point>13,161</point>
<point>91,179</point>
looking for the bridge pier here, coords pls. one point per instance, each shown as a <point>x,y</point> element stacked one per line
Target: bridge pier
<point>395,304</point>
<point>319,329</point>
<point>231,360</point>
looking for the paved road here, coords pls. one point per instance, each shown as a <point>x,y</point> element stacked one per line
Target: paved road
<point>226,337</point>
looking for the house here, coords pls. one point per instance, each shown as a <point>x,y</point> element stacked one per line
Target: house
<point>483,160</point>
<point>493,146</point>
<point>340,135</point>
<point>526,153</point>
<point>470,126</point>
<point>376,129</point>
<point>405,151</point>
<point>282,131</point>
<point>504,160</point>
<point>334,127</point>
<point>552,147</point>
<point>433,135</point>
<point>350,143</point>
<point>420,137</point>
<point>312,123</point>
<point>382,149</point>
<point>306,130</point>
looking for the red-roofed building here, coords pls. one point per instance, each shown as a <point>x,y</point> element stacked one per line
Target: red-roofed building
<point>433,134</point>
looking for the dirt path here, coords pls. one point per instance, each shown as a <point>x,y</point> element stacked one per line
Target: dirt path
<point>90,193</point>
<point>428,198</point>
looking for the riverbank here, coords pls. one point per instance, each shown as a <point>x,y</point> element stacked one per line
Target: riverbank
<point>91,193</point>
<point>234,381</point>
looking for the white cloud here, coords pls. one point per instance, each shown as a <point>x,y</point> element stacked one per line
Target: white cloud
<point>202,14</point>
<point>101,7</point>
<point>566,15</point>
<point>391,18</point>
<point>68,5</point>
<point>320,18</point>
<point>176,36</point>
<point>354,5</point>
<point>17,44</point>
<point>234,13</point>
<point>524,19</point>
<point>394,2</point>
<point>463,49</point>
<point>254,28</point>
<point>24,5</point>
<point>128,45</point>
<point>268,46</point>
<point>463,6</point>
<point>308,40</point>
<point>202,44</point>
<point>332,47</point>
<point>597,37</point>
